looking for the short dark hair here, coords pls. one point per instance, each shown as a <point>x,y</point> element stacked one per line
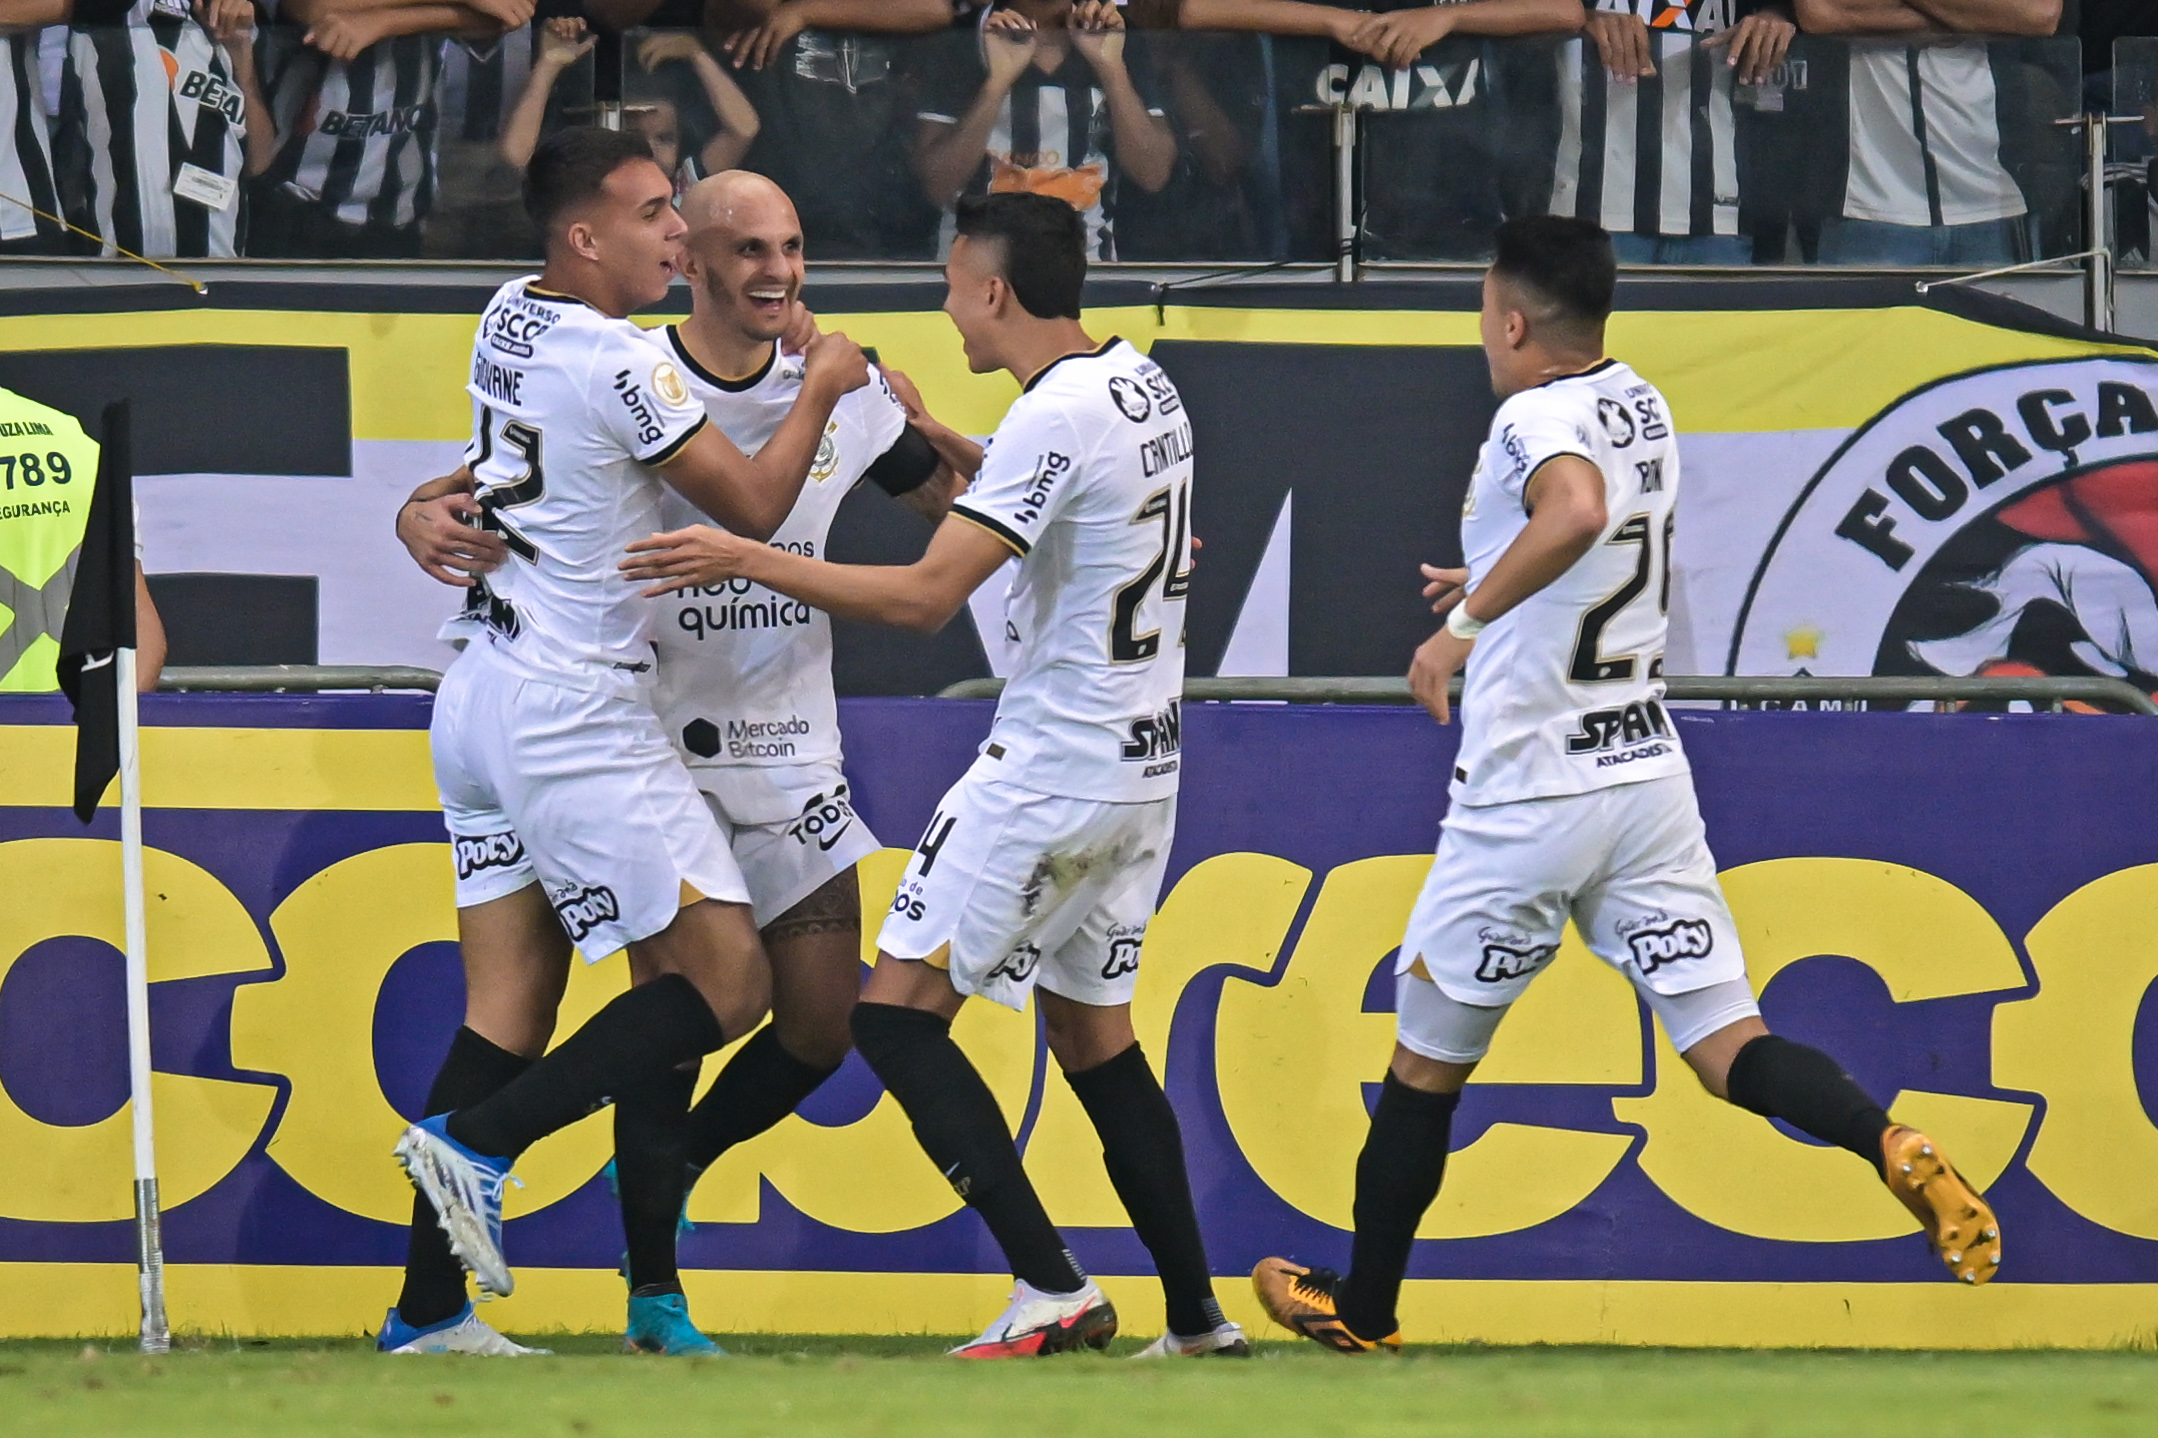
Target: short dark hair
<point>1044,247</point>
<point>569,167</point>
<point>1564,262</point>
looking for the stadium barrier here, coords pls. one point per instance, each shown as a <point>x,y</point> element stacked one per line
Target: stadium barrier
<point>1957,906</point>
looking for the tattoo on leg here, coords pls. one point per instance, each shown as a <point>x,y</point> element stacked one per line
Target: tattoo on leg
<point>835,908</point>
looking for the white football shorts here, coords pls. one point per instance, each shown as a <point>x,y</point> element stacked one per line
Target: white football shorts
<point>1629,865</point>
<point>785,863</point>
<point>579,790</point>
<point>1009,889</point>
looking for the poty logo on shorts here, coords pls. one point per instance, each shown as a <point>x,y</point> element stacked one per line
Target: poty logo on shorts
<point>1018,966</point>
<point>1502,962</point>
<point>1124,945</point>
<point>1661,944</point>
<point>583,910</point>
<point>486,851</point>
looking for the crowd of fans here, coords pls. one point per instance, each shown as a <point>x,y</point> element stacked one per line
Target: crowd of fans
<point>1698,131</point>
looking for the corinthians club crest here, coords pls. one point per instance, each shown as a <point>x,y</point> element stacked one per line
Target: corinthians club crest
<point>2003,521</point>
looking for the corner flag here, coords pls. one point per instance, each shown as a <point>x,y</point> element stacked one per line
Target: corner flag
<point>101,616</point>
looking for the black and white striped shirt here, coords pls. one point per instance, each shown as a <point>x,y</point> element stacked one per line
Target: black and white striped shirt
<point>1658,156</point>
<point>358,135</point>
<point>26,151</point>
<point>481,81</point>
<point>151,125</point>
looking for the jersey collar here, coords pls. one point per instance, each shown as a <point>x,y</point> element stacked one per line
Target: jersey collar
<point>1095,353</point>
<point>534,292</point>
<point>731,386</point>
<point>1595,369</point>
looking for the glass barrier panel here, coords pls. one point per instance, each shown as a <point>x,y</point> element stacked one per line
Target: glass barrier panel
<point>1842,152</point>
<point>2132,152</point>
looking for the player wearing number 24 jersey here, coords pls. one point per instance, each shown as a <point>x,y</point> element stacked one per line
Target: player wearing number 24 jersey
<point>1571,797</point>
<point>1039,871</point>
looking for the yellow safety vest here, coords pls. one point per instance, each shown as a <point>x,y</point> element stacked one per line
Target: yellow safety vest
<point>48,468</point>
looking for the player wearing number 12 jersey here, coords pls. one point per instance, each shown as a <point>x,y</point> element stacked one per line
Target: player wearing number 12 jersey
<point>1572,798</point>
<point>1038,873</point>
<point>572,818</point>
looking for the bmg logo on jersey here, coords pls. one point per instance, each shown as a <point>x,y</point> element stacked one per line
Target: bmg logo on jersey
<point>477,852</point>
<point>1510,956</point>
<point>1622,727</point>
<point>640,409</point>
<point>215,94</point>
<point>1050,468</point>
<point>584,909</point>
<point>1665,940</point>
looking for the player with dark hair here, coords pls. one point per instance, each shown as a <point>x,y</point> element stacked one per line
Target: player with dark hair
<point>1572,797</point>
<point>572,818</point>
<point>1088,482</point>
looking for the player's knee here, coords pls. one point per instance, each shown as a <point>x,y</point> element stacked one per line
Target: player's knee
<point>820,1040</point>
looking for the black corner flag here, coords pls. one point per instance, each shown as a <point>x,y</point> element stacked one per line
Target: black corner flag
<point>101,615</point>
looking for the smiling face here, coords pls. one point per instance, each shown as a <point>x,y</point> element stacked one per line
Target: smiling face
<point>631,232</point>
<point>745,252</point>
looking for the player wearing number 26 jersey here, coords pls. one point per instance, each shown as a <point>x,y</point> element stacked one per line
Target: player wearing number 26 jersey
<point>1572,801</point>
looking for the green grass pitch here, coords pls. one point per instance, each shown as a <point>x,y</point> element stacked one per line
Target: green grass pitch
<point>899,1387</point>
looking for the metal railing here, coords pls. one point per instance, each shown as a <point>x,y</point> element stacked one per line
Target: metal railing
<point>1765,691</point>
<point>1743,691</point>
<point>294,678</point>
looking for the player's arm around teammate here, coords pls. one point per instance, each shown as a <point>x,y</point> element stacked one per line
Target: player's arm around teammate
<point>1088,482</point>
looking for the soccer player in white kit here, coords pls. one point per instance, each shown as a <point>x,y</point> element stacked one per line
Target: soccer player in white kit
<point>1572,797</point>
<point>1039,872</point>
<point>573,820</point>
<point>745,693</point>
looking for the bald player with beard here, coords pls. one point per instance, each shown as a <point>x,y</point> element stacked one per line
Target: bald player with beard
<point>745,693</point>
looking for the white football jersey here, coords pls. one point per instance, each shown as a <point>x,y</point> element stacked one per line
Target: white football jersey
<point>1088,480</point>
<point>1564,692</point>
<point>570,411</point>
<point>745,675</point>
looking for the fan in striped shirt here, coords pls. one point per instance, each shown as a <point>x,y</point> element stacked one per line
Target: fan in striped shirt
<point>26,149</point>
<point>1648,140</point>
<point>355,96</point>
<point>160,121</point>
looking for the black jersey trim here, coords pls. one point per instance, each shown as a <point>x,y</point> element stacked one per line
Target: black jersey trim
<point>1595,369</point>
<point>534,292</point>
<point>1095,353</point>
<point>667,454</point>
<point>731,386</point>
<point>1015,542</point>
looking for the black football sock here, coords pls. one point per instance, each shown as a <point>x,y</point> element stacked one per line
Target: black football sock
<point>1144,1151</point>
<point>1808,1090</point>
<point>960,1127</point>
<point>760,1085</point>
<point>651,1128</point>
<point>651,1028</point>
<point>1397,1176</point>
<point>434,1279</point>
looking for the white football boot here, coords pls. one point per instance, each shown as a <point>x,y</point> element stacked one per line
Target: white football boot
<point>1037,1324</point>
<point>1227,1341</point>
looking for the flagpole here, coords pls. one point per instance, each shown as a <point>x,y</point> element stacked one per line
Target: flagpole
<point>149,1239</point>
